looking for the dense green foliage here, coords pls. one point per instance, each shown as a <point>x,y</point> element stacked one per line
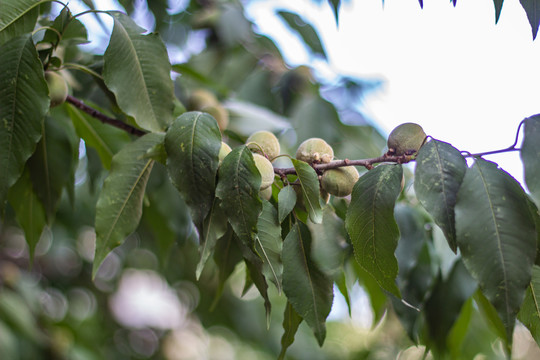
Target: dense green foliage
<point>117,193</point>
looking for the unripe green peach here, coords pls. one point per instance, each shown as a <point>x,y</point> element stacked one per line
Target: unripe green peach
<point>406,139</point>
<point>224,150</point>
<point>264,143</point>
<point>219,113</point>
<point>266,193</point>
<point>265,169</point>
<point>58,88</point>
<point>201,98</point>
<point>340,181</point>
<point>315,150</point>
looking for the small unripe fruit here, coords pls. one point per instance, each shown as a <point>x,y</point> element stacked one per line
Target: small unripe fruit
<point>264,143</point>
<point>340,181</point>
<point>315,150</point>
<point>265,169</point>
<point>266,193</point>
<point>224,150</point>
<point>201,98</point>
<point>406,139</point>
<point>219,113</point>
<point>58,88</point>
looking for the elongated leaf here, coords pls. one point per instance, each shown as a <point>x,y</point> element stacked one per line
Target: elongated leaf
<point>530,153</point>
<point>305,30</point>
<point>238,189</point>
<point>291,321</point>
<point>119,207</point>
<point>371,225</point>
<point>12,10</point>
<point>329,247</point>
<point>444,305</point>
<point>498,8</point>
<point>440,168</point>
<point>23,103</point>
<point>70,29</point>
<point>29,211</point>
<point>496,236</point>
<point>490,314</point>
<point>335,4</point>
<point>192,144</point>
<point>24,24</point>
<point>51,165</point>
<point>214,227</point>
<point>105,139</point>
<point>307,288</point>
<point>137,71</point>
<point>269,243</point>
<point>309,182</point>
<point>286,202</point>
<point>227,255</point>
<point>529,314</point>
<point>532,9</point>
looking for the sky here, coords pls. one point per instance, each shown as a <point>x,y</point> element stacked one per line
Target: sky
<point>463,78</point>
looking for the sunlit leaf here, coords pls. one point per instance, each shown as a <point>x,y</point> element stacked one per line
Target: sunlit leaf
<point>530,153</point>
<point>137,70</point>
<point>440,168</point>
<point>371,225</point>
<point>291,321</point>
<point>529,314</point>
<point>119,207</point>
<point>238,188</point>
<point>309,182</point>
<point>192,144</point>
<point>307,288</point>
<point>496,235</point>
<point>23,103</point>
<point>286,202</point>
<point>269,243</point>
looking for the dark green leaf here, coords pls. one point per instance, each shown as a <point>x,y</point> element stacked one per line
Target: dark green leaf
<point>238,189</point>
<point>530,153</point>
<point>214,227</point>
<point>286,202</point>
<point>69,28</point>
<point>307,288</point>
<point>490,314</point>
<point>51,165</point>
<point>444,305</point>
<point>329,246</point>
<point>12,10</point>
<point>119,207</point>
<point>226,255</point>
<point>291,321</point>
<point>192,144</point>
<point>371,225</point>
<point>305,30</point>
<point>137,71</point>
<point>269,243</point>
<point>529,314</point>
<point>22,25</point>
<point>498,7</point>
<point>335,4</point>
<point>440,168</point>
<point>105,139</point>
<point>496,235</point>
<point>29,211</point>
<point>23,103</point>
<point>532,9</point>
<point>309,182</point>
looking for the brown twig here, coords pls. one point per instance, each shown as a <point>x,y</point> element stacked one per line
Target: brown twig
<point>367,163</point>
<point>104,118</point>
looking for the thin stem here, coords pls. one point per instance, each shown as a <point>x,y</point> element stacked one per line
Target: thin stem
<point>104,118</point>
<point>499,151</point>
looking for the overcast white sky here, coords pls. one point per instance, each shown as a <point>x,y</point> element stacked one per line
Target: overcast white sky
<point>466,80</point>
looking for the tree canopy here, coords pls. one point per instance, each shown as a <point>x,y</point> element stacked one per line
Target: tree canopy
<point>226,205</point>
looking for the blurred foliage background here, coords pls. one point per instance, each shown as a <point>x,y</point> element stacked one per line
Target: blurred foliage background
<point>145,302</point>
